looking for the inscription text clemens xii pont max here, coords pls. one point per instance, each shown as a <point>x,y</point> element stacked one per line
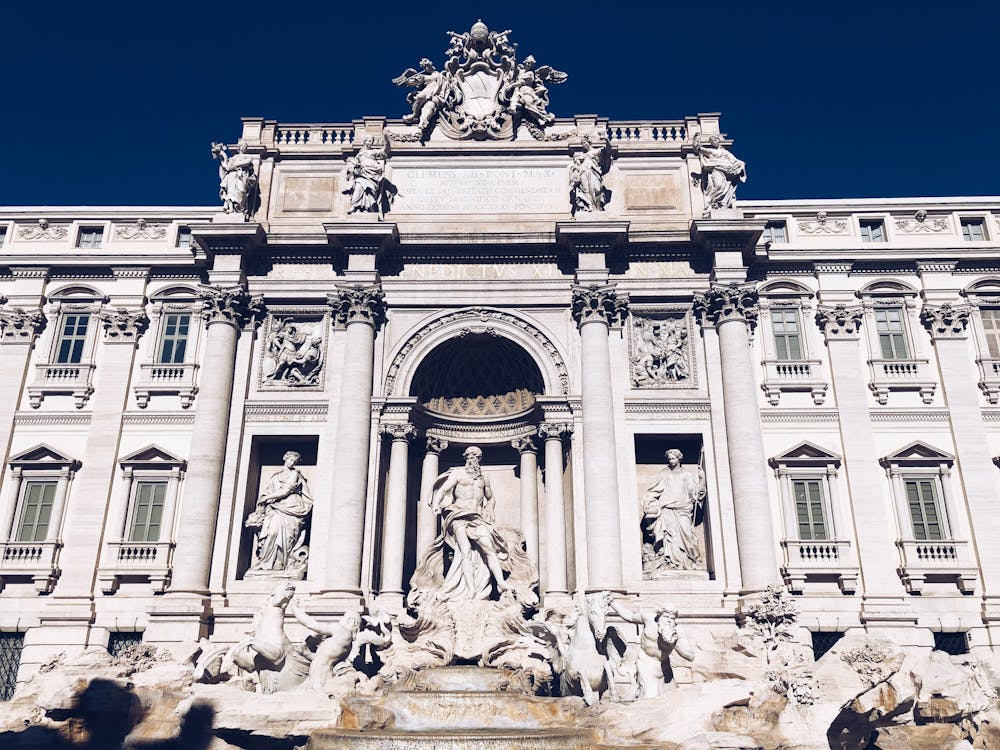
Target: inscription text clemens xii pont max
<point>474,190</point>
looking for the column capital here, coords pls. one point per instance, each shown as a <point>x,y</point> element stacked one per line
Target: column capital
<point>398,432</point>
<point>231,304</point>
<point>725,302</point>
<point>436,444</point>
<point>946,321</point>
<point>358,303</point>
<point>19,325</point>
<point>599,302</point>
<point>555,430</point>
<point>524,444</point>
<point>840,321</point>
<point>123,325</point>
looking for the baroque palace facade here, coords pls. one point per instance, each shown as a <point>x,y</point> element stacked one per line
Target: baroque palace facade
<point>199,403</point>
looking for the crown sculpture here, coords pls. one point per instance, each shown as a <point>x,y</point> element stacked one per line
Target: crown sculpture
<point>483,92</point>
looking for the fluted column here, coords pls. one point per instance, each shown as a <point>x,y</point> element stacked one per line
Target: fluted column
<point>947,325</point>
<point>225,311</point>
<point>394,514</point>
<point>426,519</point>
<point>876,532</point>
<point>595,309</point>
<point>361,310</point>
<point>731,308</point>
<point>528,451</point>
<point>555,508</point>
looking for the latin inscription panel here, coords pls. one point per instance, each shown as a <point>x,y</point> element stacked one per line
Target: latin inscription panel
<point>477,190</point>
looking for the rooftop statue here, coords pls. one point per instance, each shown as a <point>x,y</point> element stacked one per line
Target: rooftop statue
<point>237,180</point>
<point>721,173</point>
<point>482,91</point>
<point>365,181</point>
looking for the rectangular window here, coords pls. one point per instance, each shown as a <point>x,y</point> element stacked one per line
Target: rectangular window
<point>973,230</point>
<point>954,643</point>
<point>90,237</point>
<point>3,234</point>
<point>184,237</point>
<point>72,337</point>
<point>774,231</point>
<point>173,339</point>
<point>922,499</point>
<point>991,328</point>
<point>36,510</point>
<point>809,510</point>
<point>147,511</point>
<point>11,648</point>
<point>891,333</point>
<point>872,230</point>
<point>786,329</point>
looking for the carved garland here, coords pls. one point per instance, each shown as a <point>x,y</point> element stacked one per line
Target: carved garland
<point>482,314</point>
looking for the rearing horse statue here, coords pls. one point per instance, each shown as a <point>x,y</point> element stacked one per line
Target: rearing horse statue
<point>589,659</point>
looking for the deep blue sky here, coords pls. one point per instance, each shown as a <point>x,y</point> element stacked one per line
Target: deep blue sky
<point>108,103</point>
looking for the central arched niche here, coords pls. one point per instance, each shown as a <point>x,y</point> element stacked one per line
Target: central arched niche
<point>477,376</point>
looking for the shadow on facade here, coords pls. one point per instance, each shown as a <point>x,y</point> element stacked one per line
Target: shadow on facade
<point>103,717</point>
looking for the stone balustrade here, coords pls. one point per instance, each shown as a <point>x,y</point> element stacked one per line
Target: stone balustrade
<point>902,375</point>
<point>819,559</point>
<point>35,560</point>
<point>937,560</point>
<point>152,561</point>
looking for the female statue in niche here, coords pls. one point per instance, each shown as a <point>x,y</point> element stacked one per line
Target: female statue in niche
<point>280,520</point>
<point>669,508</point>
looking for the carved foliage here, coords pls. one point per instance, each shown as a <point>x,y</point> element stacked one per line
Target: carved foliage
<point>823,225</point>
<point>945,321</point>
<point>524,444</point>
<point>599,302</point>
<point>123,325</point>
<point>395,432</point>
<point>358,304</point>
<point>18,324</point>
<point>772,617</point>
<point>660,352</point>
<point>229,305</point>
<point>555,429</point>
<point>142,230</point>
<point>723,302</point>
<point>839,321</point>
<point>43,231</point>
<point>436,444</point>
<point>921,224</point>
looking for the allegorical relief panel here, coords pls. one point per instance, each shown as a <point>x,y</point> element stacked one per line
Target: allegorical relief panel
<point>660,350</point>
<point>293,351</point>
<point>671,496</point>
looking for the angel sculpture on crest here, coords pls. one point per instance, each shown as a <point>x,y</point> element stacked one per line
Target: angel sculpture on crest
<point>428,97</point>
<point>528,94</point>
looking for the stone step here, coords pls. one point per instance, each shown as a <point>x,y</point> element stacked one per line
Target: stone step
<point>481,739</point>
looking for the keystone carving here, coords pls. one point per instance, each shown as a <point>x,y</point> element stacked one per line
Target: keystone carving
<point>724,302</point>
<point>358,304</point>
<point>945,321</point>
<point>839,321</point>
<point>599,302</point>
<point>231,305</point>
<point>20,325</point>
<point>123,325</point>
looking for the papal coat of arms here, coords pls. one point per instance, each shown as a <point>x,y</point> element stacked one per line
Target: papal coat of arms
<point>483,91</point>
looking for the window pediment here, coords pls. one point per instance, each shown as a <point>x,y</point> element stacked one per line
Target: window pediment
<point>152,457</point>
<point>42,456</point>
<point>918,453</point>
<point>806,453</point>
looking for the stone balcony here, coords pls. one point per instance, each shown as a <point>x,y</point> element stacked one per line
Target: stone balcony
<point>939,561</point>
<point>73,379</point>
<point>989,378</point>
<point>819,560</point>
<point>35,560</point>
<point>146,561</point>
<point>166,379</point>
<point>793,375</point>
<point>901,375</point>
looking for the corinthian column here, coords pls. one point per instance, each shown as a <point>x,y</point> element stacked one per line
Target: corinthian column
<point>360,308</point>
<point>394,515</point>
<point>555,508</point>
<point>876,532</point>
<point>426,518</point>
<point>731,308</point>
<point>595,309</point>
<point>19,327</point>
<point>527,449</point>
<point>225,311</point>
<point>947,325</point>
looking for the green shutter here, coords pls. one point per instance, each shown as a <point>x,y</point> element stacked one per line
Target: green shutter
<point>36,511</point>
<point>147,512</point>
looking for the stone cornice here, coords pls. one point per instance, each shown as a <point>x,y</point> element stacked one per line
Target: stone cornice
<point>358,303</point>
<point>20,325</point>
<point>232,305</point>
<point>840,321</point>
<point>725,302</point>
<point>122,325</point>
<point>599,303</point>
<point>945,321</point>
